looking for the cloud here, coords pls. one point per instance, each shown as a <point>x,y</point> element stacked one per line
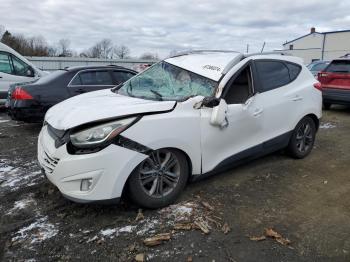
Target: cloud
<point>161,26</point>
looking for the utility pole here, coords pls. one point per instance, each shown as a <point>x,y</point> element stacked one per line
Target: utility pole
<point>262,49</point>
<point>247,48</point>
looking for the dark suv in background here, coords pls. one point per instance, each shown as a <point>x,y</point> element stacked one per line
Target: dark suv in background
<point>335,83</point>
<point>30,101</point>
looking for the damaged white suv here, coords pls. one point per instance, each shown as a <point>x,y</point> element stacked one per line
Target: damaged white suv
<point>184,118</point>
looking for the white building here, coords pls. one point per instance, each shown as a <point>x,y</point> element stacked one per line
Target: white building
<point>319,46</point>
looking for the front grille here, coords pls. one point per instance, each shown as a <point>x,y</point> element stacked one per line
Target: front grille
<point>48,162</point>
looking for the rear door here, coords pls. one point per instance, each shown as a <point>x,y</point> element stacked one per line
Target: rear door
<point>336,75</point>
<point>90,80</point>
<point>282,97</point>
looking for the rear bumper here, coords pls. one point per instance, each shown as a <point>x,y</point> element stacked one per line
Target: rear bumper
<point>336,96</point>
<point>25,110</point>
<point>3,96</point>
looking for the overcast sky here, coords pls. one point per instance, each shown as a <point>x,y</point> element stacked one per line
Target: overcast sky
<point>162,25</point>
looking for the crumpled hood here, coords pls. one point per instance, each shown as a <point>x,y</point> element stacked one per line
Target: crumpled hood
<point>100,105</point>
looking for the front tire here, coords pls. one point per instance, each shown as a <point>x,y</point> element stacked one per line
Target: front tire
<point>303,138</point>
<point>158,180</point>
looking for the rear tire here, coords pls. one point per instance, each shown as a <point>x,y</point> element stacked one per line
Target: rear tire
<point>327,106</point>
<point>158,180</point>
<point>303,138</point>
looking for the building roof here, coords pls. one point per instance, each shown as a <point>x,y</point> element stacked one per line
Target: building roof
<point>321,33</point>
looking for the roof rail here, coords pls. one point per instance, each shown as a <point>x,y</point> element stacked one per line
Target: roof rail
<point>268,53</point>
<point>188,52</point>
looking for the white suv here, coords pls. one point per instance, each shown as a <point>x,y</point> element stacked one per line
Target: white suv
<point>182,119</point>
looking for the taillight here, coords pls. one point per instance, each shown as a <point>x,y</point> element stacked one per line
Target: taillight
<point>21,94</point>
<point>318,86</point>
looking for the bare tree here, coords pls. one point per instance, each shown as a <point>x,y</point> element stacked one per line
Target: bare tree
<point>106,48</point>
<point>63,47</point>
<point>2,30</point>
<point>122,51</point>
<point>149,56</point>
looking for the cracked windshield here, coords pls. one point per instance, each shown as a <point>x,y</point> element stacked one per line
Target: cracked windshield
<point>164,81</point>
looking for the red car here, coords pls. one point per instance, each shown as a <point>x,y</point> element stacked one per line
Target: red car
<point>335,83</point>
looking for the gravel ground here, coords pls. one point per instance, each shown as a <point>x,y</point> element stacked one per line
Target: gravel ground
<point>306,201</point>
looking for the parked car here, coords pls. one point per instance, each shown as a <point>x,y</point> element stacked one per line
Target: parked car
<point>317,66</point>
<point>29,102</point>
<point>182,119</point>
<point>15,68</point>
<point>335,83</point>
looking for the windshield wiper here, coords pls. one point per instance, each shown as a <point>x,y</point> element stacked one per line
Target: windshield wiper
<point>157,94</point>
<point>115,89</point>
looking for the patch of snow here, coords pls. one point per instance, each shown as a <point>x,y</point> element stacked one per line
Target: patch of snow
<point>327,125</point>
<point>21,204</point>
<point>148,226</point>
<point>15,177</point>
<point>179,212</point>
<point>38,231</point>
<point>112,232</point>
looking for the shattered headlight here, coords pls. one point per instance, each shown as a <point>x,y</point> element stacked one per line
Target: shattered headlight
<point>101,133</point>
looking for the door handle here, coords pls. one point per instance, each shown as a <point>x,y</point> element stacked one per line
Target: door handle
<point>297,98</point>
<point>258,112</point>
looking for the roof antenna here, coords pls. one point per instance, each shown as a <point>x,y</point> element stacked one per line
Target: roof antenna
<point>262,49</point>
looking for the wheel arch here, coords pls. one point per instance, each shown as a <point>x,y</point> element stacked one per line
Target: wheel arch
<point>188,160</point>
<point>315,119</point>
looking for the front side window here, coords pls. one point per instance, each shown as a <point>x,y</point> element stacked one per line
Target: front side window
<point>272,74</point>
<point>5,63</point>
<point>20,68</point>
<point>240,88</point>
<point>164,81</point>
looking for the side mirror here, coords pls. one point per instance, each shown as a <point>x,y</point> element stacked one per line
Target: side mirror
<point>210,101</point>
<point>30,72</point>
<point>218,116</point>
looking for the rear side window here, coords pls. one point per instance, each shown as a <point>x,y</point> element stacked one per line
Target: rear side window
<point>121,76</point>
<point>92,78</point>
<point>20,67</point>
<point>339,66</point>
<point>272,74</point>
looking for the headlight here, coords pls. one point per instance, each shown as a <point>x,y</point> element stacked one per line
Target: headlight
<point>101,133</point>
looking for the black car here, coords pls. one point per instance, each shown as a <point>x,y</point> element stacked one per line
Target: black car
<point>30,101</point>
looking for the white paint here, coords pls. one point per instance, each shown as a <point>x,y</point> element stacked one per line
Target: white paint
<point>208,64</point>
<point>263,117</point>
<point>99,105</point>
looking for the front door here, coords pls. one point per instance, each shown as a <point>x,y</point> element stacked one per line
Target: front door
<point>222,146</point>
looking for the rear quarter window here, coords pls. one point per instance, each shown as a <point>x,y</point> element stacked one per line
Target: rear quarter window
<point>339,66</point>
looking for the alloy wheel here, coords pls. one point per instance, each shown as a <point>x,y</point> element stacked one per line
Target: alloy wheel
<point>304,138</point>
<point>159,173</point>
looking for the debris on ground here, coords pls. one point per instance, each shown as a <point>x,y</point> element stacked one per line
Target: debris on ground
<point>269,232</point>
<point>226,229</point>
<point>202,225</point>
<point>327,125</point>
<point>157,239</point>
<point>140,257</point>
<point>259,238</point>
<point>139,216</point>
